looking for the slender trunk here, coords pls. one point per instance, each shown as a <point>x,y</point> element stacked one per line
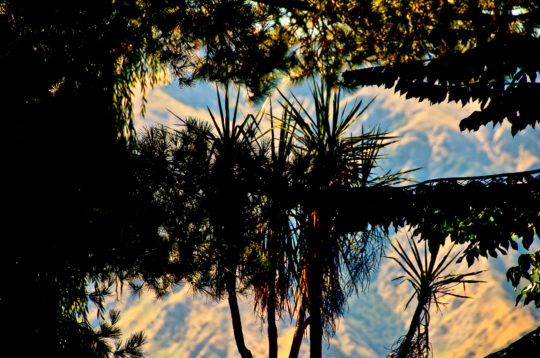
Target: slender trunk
<point>315,329</point>
<point>235,317</point>
<point>271,316</point>
<point>313,273</point>
<point>423,299</point>
<point>314,278</point>
<point>405,347</point>
<point>301,325</point>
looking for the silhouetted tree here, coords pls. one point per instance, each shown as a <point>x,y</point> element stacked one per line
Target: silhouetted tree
<point>430,280</point>
<point>332,261</point>
<point>260,212</point>
<point>274,284</point>
<point>207,182</point>
<point>70,69</point>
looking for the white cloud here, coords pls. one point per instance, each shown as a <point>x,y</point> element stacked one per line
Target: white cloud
<point>162,109</point>
<point>527,160</point>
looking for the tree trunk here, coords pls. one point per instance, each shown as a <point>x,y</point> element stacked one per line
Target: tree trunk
<point>301,325</point>
<point>405,347</point>
<point>271,316</point>
<point>314,277</point>
<point>235,316</point>
<point>423,299</point>
<point>315,329</point>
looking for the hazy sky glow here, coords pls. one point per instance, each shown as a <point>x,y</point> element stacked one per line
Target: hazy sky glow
<point>182,324</point>
<point>429,135</point>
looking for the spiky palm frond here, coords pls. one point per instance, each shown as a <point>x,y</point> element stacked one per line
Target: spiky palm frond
<point>427,274</point>
<point>324,133</point>
<point>277,244</point>
<point>327,158</point>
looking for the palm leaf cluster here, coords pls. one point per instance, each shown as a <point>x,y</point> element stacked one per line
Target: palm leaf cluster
<point>250,209</point>
<point>329,160</point>
<point>427,274</point>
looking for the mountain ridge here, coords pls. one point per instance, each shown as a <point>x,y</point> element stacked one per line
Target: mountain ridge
<point>186,325</point>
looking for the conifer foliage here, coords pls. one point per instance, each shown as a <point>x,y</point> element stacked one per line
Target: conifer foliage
<point>217,206</point>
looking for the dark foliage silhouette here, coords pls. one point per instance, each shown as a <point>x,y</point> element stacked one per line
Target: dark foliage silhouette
<point>332,261</point>
<point>78,211</point>
<point>428,275</point>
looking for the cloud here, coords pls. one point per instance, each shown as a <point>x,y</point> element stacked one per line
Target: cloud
<point>162,109</point>
<point>527,160</point>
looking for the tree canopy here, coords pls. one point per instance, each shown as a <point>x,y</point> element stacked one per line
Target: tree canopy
<point>78,209</point>
<point>437,50</point>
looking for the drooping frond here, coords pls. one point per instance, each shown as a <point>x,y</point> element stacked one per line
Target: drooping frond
<point>427,274</point>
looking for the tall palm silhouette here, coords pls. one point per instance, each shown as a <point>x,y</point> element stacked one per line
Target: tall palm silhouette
<point>428,274</point>
<point>231,206</point>
<point>206,179</point>
<point>248,209</point>
<point>273,286</point>
<point>328,161</point>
